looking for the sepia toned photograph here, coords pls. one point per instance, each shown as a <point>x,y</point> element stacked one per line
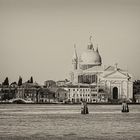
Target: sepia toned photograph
<point>69,69</point>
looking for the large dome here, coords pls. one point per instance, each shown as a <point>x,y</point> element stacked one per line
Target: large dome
<point>90,57</point>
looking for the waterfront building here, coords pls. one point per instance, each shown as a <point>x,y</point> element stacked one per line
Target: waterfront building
<point>28,91</point>
<point>45,95</point>
<point>93,82</point>
<point>78,93</point>
<point>61,95</point>
<point>8,92</point>
<point>49,93</point>
<point>35,93</point>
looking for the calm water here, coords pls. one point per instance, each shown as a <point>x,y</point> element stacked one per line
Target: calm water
<point>46,122</point>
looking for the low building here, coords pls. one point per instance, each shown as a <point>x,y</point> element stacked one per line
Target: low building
<point>61,95</point>
<point>37,94</point>
<point>7,92</point>
<point>46,95</point>
<point>78,93</point>
<point>28,91</point>
<point>88,93</point>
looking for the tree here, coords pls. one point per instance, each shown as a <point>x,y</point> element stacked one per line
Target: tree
<point>20,81</point>
<point>6,82</point>
<point>31,79</point>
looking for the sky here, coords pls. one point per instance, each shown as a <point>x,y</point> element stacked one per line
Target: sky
<point>37,37</point>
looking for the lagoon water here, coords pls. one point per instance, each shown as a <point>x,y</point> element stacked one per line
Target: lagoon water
<point>60,122</point>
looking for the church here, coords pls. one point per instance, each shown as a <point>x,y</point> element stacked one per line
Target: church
<point>91,81</point>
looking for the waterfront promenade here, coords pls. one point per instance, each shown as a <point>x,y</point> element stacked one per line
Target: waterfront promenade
<point>64,122</point>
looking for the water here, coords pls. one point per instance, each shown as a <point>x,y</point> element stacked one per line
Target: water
<point>46,122</point>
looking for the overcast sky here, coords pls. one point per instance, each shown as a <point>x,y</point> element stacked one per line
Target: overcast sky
<point>37,36</point>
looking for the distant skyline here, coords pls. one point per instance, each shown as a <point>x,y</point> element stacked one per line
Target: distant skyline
<point>37,37</point>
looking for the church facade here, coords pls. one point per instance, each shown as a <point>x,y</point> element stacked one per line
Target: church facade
<point>92,82</point>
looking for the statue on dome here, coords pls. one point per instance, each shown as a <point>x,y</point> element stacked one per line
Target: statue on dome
<point>90,45</point>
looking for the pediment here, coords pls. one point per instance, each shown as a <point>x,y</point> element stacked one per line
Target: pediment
<point>117,75</point>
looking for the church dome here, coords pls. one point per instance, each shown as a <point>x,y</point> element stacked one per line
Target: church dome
<point>90,57</point>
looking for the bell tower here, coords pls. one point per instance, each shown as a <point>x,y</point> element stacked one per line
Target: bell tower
<point>75,59</point>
